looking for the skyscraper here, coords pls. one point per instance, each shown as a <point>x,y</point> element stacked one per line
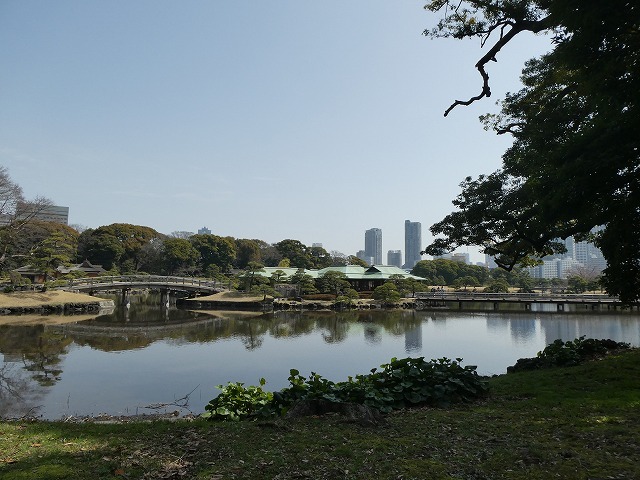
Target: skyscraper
<point>373,245</point>
<point>394,257</point>
<point>412,243</point>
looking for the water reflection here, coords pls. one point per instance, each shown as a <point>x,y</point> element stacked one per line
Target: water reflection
<point>146,354</point>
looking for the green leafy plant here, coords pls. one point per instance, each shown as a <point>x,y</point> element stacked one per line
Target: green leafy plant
<point>237,401</point>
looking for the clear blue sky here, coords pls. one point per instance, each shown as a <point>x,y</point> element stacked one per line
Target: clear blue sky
<point>284,119</point>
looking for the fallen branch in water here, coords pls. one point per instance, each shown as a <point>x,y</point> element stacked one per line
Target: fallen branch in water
<point>182,402</point>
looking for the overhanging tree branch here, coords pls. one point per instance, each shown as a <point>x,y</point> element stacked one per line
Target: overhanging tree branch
<point>533,26</point>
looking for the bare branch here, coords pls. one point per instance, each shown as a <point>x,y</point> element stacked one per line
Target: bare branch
<point>517,27</point>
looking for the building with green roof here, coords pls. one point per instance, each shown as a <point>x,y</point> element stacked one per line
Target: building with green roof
<point>361,278</point>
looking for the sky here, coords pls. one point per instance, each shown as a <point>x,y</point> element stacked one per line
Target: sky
<point>282,119</point>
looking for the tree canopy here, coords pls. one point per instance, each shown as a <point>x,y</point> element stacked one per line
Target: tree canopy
<point>574,161</point>
<point>16,213</point>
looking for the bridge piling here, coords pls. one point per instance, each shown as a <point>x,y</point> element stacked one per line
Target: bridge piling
<point>164,297</point>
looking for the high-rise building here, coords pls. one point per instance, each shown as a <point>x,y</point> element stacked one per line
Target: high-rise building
<point>581,256</point>
<point>373,245</point>
<point>394,257</point>
<point>51,213</point>
<point>461,257</point>
<point>204,231</point>
<point>362,255</point>
<point>412,243</point>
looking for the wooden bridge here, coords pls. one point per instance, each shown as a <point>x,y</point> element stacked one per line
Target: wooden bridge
<point>518,301</point>
<point>126,283</point>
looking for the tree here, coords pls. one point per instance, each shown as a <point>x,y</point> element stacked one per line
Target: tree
<point>53,252</point>
<point>320,257</point>
<point>16,213</point>
<point>277,276</point>
<point>269,254</point>
<point>31,237</point>
<point>347,297</point>
<point>353,260</point>
<point>100,248</point>
<point>498,286</point>
<point>118,245</point>
<point>179,256</point>
<point>214,250</point>
<point>386,293</point>
<point>247,251</point>
<point>333,282</point>
<point>305,282</point>
<point>469,281</point>
<point>250,274</point>
<point>297,253</point>
<point>574,125</point>
<point>577,284</point>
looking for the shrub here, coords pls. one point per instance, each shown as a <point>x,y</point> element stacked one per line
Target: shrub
<point>399,384</point>
<point>237,402</point>
<point>565,354</point>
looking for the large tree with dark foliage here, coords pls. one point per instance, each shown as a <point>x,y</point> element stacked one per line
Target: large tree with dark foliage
<point>574,163</point>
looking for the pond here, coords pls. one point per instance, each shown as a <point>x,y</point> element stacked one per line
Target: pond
<point>148,359</point>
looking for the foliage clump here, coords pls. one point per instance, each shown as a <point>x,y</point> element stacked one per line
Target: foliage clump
<point>566,354</point>
<point>399,384</point>
<point>237,401</point>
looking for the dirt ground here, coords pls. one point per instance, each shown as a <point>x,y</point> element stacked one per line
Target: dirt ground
<point>36,299</point>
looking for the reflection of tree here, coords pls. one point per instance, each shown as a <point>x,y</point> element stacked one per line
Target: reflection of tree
<point>44,362</point>
<point>252,332</point>
<point>38,350</point>
<point>18,395</point>
<point>291,324</point>
<point>337,328</point>
<point>395,322</point>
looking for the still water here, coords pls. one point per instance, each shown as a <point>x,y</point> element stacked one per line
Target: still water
<point>146,359</point>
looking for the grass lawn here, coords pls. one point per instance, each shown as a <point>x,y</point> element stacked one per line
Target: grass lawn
<point>570,423</point>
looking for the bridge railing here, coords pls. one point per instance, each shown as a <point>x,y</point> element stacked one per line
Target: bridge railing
<point>119,280</point>
<point>515,297</point>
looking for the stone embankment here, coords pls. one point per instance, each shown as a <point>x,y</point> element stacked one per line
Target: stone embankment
<point>288,304</point>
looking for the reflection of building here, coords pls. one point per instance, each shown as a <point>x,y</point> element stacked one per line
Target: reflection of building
<point>394,257</point>
<point>522,328</point>
<point>373,245</point>
<point>412,243</point>
<point>413,339</point>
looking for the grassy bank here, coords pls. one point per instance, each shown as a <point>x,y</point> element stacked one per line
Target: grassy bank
<point>573,423</point>
<point>39,299</point>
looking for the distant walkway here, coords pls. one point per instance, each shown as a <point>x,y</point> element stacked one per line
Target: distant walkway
<point>426,300</point>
